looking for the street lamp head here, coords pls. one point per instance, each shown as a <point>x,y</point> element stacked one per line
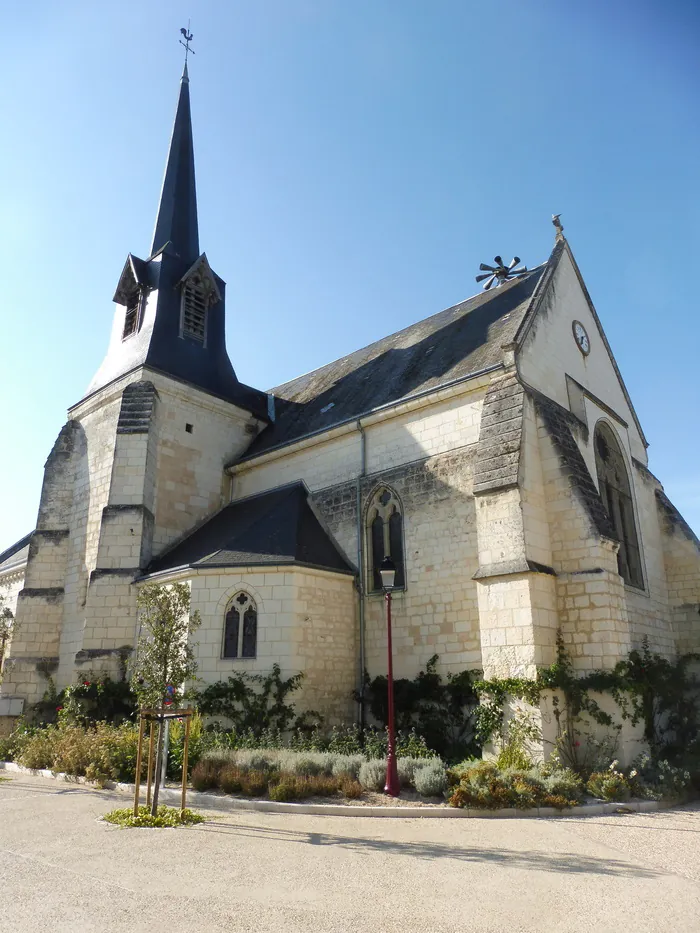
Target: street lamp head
<point>387,571</point>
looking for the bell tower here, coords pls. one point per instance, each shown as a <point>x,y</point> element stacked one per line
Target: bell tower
<point>140,461</point>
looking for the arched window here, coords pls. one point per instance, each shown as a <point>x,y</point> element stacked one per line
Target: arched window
<point>384,536</point>
<point>615,491</point>
<point>241,627</point>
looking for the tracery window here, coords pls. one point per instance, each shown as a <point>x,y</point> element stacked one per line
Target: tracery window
<point>615,491</point>
<point>384,536</point>
<point>241,627</point>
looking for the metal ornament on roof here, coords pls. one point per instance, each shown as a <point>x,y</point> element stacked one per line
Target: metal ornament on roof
<point>500,273</point>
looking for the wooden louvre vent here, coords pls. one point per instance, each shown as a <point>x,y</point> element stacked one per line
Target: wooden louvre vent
<point>194,312</point>
<point>131,318</point>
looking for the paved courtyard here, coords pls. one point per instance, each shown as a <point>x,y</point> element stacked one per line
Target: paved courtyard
<point>63,870</point>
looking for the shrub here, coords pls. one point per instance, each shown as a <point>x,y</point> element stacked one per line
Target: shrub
<point>373,774</point>
<point>563,783</point>
<point>609,785</point>
<point>319,785</point>
<point>38,750</point>
<point>206,774</point>
<point>307,764</point>
<point>406,768</point>
<point>350,788</point>
<point>12,745</point>
<point>558,801</point>
<point>285,791</point>
<point>484,786</point>
<point>347,765</point>
<point>254,783</point>
<point>659,779</point>
<point>230,780</point>
<point>165,817</point>
<point>430,780</point>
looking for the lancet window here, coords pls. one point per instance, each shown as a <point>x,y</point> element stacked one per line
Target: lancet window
<point>616,493</point>
<point>385,536</point>
<point>241,627</point>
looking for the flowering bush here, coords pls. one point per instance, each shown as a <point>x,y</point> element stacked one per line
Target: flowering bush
<point>609,785</point>
<point>659,780</point>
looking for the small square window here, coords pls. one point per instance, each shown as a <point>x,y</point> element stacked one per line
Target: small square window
<point>188,428</point>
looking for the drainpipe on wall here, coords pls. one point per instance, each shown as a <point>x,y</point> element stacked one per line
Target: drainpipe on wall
<point>360,567</point>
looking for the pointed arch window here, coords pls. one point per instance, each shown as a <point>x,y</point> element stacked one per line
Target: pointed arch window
<point>616,493</point>
<point>385,537</point>
<point>241,627</point>
<point>131,317</point>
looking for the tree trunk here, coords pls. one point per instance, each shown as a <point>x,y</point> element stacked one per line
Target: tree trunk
<point>158,768</point>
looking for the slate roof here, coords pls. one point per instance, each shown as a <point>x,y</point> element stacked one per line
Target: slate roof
<point>463,340</point>
<point>559,422</point>
<point>276,527</point>
<point>16,555</point>
<point>176,223</point>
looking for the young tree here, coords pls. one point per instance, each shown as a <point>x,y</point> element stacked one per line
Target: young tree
<point>7,626</point>
<point>164,658</point>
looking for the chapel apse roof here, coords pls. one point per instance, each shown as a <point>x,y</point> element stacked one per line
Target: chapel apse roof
<point>268,529</point>
<point>464,339</point>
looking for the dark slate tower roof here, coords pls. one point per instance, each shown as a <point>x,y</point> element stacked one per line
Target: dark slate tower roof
<point>176,225</point>
<point>159,342</point>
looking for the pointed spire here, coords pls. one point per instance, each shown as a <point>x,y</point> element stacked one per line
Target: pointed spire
<point>176,223</point>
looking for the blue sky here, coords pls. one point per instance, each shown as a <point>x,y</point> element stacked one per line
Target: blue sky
<point>355,162</point>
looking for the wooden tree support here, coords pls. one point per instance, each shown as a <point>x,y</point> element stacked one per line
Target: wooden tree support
<point>154,717</point>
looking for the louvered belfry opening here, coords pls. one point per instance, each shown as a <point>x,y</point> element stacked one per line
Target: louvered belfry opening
<point>131,318</point>
<point>194,310</point>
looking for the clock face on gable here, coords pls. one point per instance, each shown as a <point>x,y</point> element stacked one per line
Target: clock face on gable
<point>581,338</point>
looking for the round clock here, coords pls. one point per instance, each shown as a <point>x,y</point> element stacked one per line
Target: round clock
<point>581,338</point>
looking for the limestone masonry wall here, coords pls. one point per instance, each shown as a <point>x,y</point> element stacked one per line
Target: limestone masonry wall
<point>306,622</point>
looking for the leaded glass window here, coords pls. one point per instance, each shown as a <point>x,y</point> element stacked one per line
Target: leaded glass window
<point>616,493</point>
<point>385,537</point>
<point>241,627</point>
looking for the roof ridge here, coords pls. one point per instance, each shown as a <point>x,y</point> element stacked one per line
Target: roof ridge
<point>486,295</point>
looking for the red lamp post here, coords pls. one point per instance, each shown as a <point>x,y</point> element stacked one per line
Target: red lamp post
<point>387,571</point>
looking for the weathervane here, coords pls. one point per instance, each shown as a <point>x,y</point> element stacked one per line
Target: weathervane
<point>500,273</point>
<point>558,227</point>
<point>188,38</point>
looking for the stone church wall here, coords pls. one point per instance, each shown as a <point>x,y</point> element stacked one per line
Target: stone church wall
<point>190,478</point>
<point>425,452</point>
<point>306,622</point>
<point>437,613</point>
<point>413,431</point>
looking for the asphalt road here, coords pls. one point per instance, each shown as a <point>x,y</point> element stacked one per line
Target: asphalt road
<point>61,869</point>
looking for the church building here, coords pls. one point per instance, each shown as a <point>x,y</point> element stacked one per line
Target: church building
<point>491,450</point>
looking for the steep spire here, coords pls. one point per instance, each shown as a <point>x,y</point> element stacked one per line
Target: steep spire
<point>176,223</point>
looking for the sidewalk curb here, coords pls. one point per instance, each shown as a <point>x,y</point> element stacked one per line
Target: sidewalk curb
<point>207,801</point>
